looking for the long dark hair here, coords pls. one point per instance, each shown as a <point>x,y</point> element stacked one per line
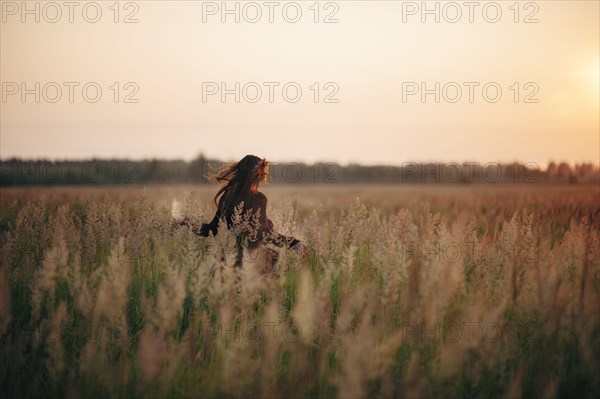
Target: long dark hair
<point>239,181</point>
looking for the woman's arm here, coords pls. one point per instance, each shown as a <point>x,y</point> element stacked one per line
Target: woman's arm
<point>272,237</point>
<point>269,235</point>
<point>205,228</point>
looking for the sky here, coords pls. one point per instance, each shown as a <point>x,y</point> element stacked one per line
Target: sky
<point>372,82</point>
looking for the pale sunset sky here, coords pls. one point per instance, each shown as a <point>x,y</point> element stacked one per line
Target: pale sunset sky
<point>376,53</point>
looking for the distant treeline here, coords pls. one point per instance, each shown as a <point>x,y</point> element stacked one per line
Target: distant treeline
<point>17,172</point>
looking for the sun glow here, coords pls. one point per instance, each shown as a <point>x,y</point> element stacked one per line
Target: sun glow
<point>593,74</point>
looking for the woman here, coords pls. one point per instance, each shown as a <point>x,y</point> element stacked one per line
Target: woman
<point>240,190</point>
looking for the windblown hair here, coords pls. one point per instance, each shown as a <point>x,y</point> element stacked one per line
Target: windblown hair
<point>239,181</point>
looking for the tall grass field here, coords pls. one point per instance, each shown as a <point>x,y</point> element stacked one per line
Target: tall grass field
<point>408,292</point>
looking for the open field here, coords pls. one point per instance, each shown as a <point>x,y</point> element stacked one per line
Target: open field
<point>409,291</point>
